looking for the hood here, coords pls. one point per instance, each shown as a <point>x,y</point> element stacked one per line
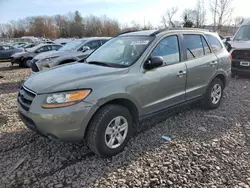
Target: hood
<point>49,54</point>
<point>240,44</point>
<point>72,76</point>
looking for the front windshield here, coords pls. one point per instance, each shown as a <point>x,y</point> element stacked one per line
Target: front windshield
<point>73,45</point>
<point>243,33</point>
<point>121,51</point>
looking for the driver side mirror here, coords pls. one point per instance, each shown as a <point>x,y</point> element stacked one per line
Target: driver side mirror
<point>85,48</point>
<point>153,62</point>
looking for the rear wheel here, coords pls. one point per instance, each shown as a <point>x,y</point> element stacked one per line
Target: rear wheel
<point>214,94</point>
<point>109,130</point>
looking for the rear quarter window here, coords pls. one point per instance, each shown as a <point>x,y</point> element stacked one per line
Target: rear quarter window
<point>214,42</point>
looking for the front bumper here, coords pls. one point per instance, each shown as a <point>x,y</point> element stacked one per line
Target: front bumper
<point>238,69</point>
<point>243,72</point>
<point>65,124</point>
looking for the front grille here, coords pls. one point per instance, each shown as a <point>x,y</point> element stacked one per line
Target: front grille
<point>34,67</point>
<point>241,55</point>
<point>25,98</point>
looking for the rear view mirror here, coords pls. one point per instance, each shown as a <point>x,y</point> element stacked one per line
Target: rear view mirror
<point>153,62</point>
<point>85,48</point>
<point>228,39</point>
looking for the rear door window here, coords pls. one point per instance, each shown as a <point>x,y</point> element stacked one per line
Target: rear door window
<point>55,47</point>
<point>43,49</point>
<point>214,42</point>
<point>205,46</point>
<point>7,47</point>
<point>193,45</point>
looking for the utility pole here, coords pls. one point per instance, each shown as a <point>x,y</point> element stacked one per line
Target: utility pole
<point>215,12</point>
<point>144,22</point>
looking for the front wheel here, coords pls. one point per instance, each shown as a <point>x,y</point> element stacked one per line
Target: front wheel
<point>26,63</point>
<point>214,94</point>
<point>109,130</point>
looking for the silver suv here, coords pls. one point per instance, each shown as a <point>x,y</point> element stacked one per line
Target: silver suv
<point>132,76</point>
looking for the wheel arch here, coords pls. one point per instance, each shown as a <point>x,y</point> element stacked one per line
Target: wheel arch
<point>125,102</point>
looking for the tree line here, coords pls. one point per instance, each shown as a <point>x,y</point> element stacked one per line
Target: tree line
<point>70,25</point>
<point>221,11</point>
<point>74,25</point>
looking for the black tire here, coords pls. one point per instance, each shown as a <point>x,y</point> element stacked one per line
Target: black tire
<point>21,64</point>
<point>25,65</point>
<point>207,100</point>
<point>233,75</point>
<point>95,135</point>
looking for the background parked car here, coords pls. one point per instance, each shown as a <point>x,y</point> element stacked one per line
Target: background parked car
<point>102,99</point>
<point>6,51</point>
<point>72,51</point>
<point>29,45</point>
<point>23,58</point>
<point>19,44</point>
<point>239,47</point>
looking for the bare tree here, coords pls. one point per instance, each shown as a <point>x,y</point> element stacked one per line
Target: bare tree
<point>221,11</point>
<point>189,15</point>
<point>135,25</point>
<point>238,21</point>
<point>69,25</point>
<point>164,21</point>
<point>167,19</point>
<point>200,13</point>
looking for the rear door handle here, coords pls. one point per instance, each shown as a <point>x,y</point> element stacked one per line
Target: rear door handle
<point>181,73</point>
<point>213,63</point>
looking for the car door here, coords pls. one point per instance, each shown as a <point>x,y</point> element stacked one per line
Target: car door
<point>201,65</point>
<point>164,86</point>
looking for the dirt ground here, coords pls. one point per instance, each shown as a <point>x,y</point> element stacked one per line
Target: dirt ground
<point>207,148</point>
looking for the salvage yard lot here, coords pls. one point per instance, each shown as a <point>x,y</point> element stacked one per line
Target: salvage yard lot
<point>208,148</point>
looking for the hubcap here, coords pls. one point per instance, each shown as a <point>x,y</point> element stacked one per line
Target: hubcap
<point>216,93</point>
<point>116,132</point>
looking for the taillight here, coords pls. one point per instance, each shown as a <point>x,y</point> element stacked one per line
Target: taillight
<point>231,57</point>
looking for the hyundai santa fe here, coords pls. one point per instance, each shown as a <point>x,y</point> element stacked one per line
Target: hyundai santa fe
<point>133,76</point>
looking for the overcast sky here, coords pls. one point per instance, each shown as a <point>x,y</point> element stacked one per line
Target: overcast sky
<point>123,10</point>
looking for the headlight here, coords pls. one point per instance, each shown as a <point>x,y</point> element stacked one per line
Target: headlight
<point>63,99</point>
<point>49,59</point>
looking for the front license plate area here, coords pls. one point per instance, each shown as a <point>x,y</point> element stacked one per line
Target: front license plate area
<point>245,63</point>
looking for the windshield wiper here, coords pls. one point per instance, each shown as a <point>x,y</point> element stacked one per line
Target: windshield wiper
<point>99,63</point>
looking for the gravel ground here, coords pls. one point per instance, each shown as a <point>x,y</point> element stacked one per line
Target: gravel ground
<point>207,148</point>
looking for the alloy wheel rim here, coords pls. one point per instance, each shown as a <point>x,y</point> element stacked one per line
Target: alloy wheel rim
<point>216,94</point>
<point>116,132</point>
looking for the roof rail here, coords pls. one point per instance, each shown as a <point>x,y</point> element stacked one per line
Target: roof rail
<point>176,28</point>
<point>129,31</point>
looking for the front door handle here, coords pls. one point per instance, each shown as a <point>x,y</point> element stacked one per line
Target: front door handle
<point>181,73</point>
